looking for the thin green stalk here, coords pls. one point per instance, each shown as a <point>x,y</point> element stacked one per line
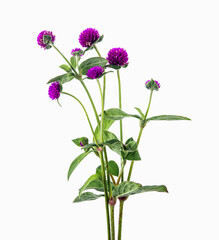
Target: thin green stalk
<point>104,77</point>
<point>106,196</point>
<point>112,222</point>
<point>139,135</point>
<point>120,122</point>
<point>91,101</point>
<point>92,130</point>
<point>121,204</point>
<point>65,59</point>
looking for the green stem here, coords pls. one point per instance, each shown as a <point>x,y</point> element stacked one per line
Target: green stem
<point>65,59</point>
<point>139,135</point>
<point>106,196</point>
<point>92,130</point>
<point>121,204</point>
<point>120,122</point>
<point>104,77</point>
<point>112,222</point>
<point>91,101</point>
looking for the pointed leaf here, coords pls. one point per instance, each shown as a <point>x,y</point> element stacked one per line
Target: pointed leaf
<point>115,145</point>
<point>168,118</point>
<point>125,189</point>
<point>106,125</point>
<point>65,67</point>
<point>113,168</point>
<point>117,114</point>
<point>80,142</point>
<point>62,78</point>
<point>96,184</point>
<point>87,196</point>
<point>92,62</point>
<point>76,161</point>
<point>139,110</point>
<point>156,188</point>
<point>89,180</point>
<point>73,61</point>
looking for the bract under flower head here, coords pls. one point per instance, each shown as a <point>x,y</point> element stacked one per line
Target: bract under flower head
<point>95,72</point>
<point>54,90</point>
<point>76,51</point>
<point>88,37</point>
<point>152,84</point>
<point>41,39</point>
<point>117,56</point>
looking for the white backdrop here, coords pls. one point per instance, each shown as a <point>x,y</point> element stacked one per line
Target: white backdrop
<point>174,42</point>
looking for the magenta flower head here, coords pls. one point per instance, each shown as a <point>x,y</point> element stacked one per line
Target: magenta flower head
<point>77,51</point>
<point>152,84</point>
<point>44,38</point>
<point>95,72</point>
<point>117,56</point>
<point>88,37</point>
<point>54,90</point>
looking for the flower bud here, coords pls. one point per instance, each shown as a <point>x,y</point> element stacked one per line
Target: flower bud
<point>152,84</point>
<point>112,201</point>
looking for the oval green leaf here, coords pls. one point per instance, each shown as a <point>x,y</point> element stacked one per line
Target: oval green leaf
<point>76,161</point>
<point>117,114</point>
<point>92,62</point>
<point>113,168</point>
<point>167,118</point>
<point>65,67</point>
<point>87,196</point>
<point>125,189</point>
<point>89,180</point>
<point>62,78</point>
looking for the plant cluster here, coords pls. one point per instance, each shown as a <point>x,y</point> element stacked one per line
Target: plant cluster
<point>109,179</point>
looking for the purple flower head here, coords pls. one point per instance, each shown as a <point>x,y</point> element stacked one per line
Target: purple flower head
<point>117,56</point>
<point>76,50</point>
<point>95,72</point>
<point>88,37</point>
<point>152,84</point>
<point>54,90</point>
<point>41,39</point>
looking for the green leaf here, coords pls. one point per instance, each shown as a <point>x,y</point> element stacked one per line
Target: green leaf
<point>76,161</point>
<point>92,62</point>
<point>87,196</point>
<point>65,67</point>
<point>92,46</point>
<point>89,146</point>
<point>106,125</point>
<point>139,110</point>
<point>113,66</point>
<point>100,39</point>
<point>62,78</point>
<point>156,188</point>
<point>125,66</point>
<point>125,189</point>
<point>115,145</point>
<point>113,168</point>
<point>73,61</point>
<point>89,180</point>
<point>117,114</point>
<point>168,118</point>
<point>133,156</point>
<point>80,142</point>
<point>47,39</point>
<point>96,185</point>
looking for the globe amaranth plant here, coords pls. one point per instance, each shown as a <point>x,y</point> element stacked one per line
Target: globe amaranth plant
<point>109,178</point>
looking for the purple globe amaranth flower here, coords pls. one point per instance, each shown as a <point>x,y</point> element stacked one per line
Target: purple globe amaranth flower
<point>117,56</point>
<point>95,72</point>
<point>77,50</point>
<point>152,84</point>
<point>54,90</point>
<point>88,37</point>
<point>42,41</point>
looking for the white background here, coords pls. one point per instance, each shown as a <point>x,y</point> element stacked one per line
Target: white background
<point>174,42</point>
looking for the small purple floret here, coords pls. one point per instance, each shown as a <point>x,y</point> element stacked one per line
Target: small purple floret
<point>95,72</point>
<point>76,50</point>
<point>40,38</point>
<point>88,37</point>
<point>54,90</point>
<point>81,144</point>
<point>158,84</point>
<point>117,56</point>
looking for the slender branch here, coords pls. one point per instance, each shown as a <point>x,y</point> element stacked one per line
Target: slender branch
<point>112,222</point>
<point>92,130</point>
<point>64,58</point>
<point>139,135</point>
<point>121,204</point>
